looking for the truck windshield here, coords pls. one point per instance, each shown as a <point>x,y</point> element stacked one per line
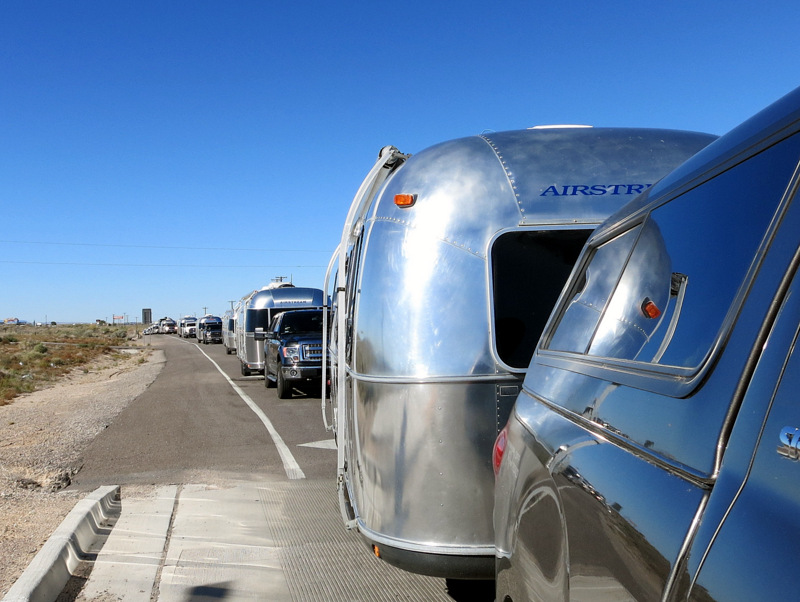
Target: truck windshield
<point>302,322</point>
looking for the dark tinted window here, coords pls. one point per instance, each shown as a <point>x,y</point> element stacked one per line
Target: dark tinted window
<point>302,322</point>
<point>256,318</point>
<point>529,269</point>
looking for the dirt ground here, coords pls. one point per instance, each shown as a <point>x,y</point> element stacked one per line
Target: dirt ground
<point>42,439</point>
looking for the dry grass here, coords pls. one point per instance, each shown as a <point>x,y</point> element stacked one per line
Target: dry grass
<point>33,357</point>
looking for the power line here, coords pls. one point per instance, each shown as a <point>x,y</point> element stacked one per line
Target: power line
<point>157,265</point>
<point>91,244</point>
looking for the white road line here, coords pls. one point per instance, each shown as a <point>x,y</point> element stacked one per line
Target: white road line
<point>290,465</point>
<point>324,444</point>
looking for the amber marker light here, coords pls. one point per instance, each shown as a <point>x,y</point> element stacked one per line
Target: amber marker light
<point>376,551</point>
<point>650,309</point>
<point>405,200</point>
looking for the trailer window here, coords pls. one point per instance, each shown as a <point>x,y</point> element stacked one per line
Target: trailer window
<point>256,318</point>
<point>529,269</point>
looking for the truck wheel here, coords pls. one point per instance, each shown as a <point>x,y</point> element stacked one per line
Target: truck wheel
<point>268,382</point>
<point>245,370</point>
<point>284,390</point>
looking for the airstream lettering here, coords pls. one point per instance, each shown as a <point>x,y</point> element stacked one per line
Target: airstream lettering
<point>449,264</point>
<point>255,313</point>
<point>595,189</point>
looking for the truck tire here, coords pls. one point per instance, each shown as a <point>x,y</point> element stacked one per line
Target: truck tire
<point>245,370</point>
<point>284,390</point>
<point>268,382</point>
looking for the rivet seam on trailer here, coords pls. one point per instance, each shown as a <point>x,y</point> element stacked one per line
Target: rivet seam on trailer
<point>509,175</point>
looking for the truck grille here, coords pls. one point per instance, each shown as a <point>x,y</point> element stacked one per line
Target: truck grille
<point>312,352</point>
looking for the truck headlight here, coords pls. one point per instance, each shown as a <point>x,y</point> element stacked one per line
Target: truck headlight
<point>292,353</point>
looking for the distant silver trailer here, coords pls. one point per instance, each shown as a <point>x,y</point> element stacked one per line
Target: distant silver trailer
<point>449,264</point>
<point>257,309</point>
<point>229,330</point>
<point>209,329</point>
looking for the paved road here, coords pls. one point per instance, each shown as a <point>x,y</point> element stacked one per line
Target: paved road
<point>228,493</point>
<point>191,422</point>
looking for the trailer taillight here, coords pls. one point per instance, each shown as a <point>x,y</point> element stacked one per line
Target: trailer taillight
<point>405,200</point>
<point>499,449</point>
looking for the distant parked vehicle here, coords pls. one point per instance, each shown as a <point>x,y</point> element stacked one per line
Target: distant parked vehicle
<point>654,451</point>
<point>229,330</point>
<point>187,327</point>
<point>293,351</point>
<point>209,329</point>
<point>167,326</point>
<point>257,311</point>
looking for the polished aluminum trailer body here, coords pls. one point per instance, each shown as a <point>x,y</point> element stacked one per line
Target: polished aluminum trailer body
<point>257,309</point>
<point>430,343</point>
<point>229,331</point>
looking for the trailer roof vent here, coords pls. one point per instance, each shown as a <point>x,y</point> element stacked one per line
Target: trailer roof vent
<point>558,127</point>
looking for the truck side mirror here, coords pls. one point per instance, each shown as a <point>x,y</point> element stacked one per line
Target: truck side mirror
<point>259,334</point>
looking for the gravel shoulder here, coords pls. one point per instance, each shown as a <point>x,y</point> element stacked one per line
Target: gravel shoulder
<point>43,436</point>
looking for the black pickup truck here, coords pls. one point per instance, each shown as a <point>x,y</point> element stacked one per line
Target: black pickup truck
<point>293,351</point>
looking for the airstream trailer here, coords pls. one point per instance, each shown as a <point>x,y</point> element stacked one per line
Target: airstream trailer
<point>209,329</point>
<point>229,331</point>
<point>448,267</point>
<point>256,311</point>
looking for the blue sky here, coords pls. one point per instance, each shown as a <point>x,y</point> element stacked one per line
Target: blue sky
<point>177,155</point>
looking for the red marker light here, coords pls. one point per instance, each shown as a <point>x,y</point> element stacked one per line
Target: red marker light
<point>650,309</point>
<point>499,449</point>
<point>405,200</point>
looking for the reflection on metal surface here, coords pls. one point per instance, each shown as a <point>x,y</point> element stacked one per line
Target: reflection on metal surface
<point>789,440</point>
<point>433,328</point>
